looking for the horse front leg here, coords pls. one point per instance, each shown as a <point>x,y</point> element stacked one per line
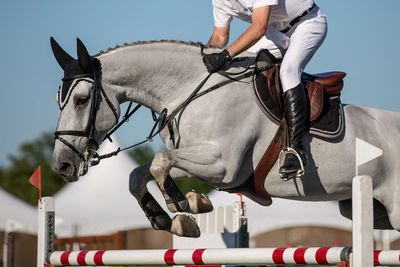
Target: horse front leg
<point>198,161</point>
<point>181,225</point>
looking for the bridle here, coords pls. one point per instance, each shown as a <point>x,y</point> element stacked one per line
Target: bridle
<point>98,93</point>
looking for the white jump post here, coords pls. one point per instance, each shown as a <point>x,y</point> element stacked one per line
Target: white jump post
<point>363,233</point>
<point>46,231</point>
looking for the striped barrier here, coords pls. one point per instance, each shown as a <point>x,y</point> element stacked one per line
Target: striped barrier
<point>226,256</point>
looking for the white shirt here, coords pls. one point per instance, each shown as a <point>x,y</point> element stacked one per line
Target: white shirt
<point>282,11</point>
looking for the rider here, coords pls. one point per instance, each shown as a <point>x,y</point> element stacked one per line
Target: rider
<point>293,28</point>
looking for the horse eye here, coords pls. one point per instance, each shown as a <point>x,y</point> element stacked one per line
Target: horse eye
<point>82,101</point>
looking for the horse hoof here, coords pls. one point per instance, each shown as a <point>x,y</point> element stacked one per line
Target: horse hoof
<point>185,225</point>
<point>198,203</point>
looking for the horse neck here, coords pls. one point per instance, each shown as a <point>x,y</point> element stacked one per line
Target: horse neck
<point>156,75</point>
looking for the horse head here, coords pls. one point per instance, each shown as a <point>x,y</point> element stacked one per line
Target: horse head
<point>85,116</point>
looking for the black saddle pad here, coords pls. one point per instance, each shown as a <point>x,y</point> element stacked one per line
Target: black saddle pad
<point>329,125</point>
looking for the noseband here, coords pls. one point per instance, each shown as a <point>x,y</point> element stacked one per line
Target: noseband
<point>91,145</point>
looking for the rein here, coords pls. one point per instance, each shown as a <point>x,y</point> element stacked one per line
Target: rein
<point>165,120</point>
<point>162,120</point>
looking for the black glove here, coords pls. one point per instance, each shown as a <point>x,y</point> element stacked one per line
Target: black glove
<point>215,61</point>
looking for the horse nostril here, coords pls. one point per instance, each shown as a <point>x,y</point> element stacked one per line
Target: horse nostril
<point>65,166</point>
<point>67,171</point>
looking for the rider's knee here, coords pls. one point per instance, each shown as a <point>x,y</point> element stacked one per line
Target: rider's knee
<point>290,76</point>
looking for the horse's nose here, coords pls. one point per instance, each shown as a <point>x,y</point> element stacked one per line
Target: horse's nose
<point>66,169</point>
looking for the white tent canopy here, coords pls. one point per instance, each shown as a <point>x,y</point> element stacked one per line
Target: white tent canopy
<point>15,214</point>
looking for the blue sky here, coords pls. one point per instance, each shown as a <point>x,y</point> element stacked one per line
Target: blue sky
<point>363,40</point>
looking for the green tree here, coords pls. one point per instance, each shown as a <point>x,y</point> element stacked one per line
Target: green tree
<point>15,178</point>
<point>189,184</point>
<point>144,154</point>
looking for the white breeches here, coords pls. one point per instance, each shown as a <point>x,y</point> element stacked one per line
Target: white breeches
<point>298,46</point>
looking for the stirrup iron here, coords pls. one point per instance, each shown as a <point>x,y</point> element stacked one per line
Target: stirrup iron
<point>282,154</point>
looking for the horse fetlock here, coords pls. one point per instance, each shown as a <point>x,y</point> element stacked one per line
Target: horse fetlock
<point>160,222</point>
<point>199,203</point>
<point>158,218</point>
<point>184,225</point>
<point>176,201</point>
<point>178,206</point>
<point>183,205</point>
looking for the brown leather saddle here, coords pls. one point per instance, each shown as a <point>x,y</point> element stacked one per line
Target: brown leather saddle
<point>323,90</point>
<point>326,118</point>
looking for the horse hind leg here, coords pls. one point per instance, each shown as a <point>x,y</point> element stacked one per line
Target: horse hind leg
<point>381,218</point>
<point>181,225</point>
<point>191,160</point>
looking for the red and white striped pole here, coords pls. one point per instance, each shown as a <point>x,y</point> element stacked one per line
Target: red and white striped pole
<point>225,256</point>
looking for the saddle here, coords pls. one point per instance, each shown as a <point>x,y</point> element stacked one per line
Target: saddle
<point>323,91</point>
<point>326,118</point>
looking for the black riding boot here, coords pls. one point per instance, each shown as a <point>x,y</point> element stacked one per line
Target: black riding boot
<point>295,107</point>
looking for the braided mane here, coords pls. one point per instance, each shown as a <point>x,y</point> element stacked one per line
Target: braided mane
<point>190,43</point>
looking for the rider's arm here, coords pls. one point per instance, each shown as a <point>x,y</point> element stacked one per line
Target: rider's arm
<point>220,37</point>
<point>254,32</point>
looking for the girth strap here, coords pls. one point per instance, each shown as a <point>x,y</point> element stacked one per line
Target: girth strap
<point>268,160</point>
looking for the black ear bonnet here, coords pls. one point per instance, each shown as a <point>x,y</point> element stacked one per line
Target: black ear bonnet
<point>72,71</point>
<point>85,67</point>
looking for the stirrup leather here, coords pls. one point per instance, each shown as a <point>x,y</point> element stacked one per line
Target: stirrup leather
<point>282,154</point>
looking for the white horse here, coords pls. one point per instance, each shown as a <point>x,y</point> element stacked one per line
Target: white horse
<point>219,138</point>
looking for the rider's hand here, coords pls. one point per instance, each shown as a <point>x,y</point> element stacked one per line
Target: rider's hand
<point>215,61</point>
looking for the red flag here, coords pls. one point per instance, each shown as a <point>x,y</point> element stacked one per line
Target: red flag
<point>36,180</point>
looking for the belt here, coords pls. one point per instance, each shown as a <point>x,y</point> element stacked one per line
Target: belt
<point>294,21</point>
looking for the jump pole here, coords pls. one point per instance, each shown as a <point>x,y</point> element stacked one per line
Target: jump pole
<point>222,256</point>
